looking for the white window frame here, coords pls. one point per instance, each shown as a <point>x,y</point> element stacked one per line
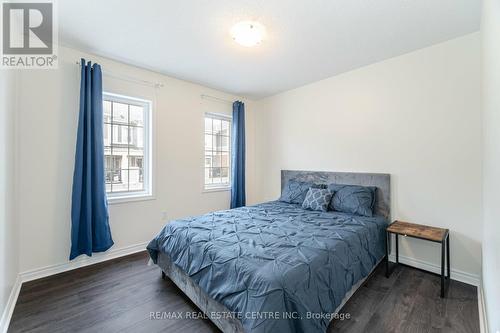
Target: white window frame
<point>218,187</point>
<point>147,193</point>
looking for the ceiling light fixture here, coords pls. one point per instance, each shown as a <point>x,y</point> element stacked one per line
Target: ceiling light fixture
<point>248,33</point>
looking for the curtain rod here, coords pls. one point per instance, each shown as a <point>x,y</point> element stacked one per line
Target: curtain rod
<point>216,98</point>
<point>130,79</point>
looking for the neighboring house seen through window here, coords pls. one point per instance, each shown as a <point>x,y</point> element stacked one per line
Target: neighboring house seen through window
<point>217,151</point>
<point>127,146</point>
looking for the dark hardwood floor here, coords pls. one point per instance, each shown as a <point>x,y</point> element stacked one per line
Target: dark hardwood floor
<point>120,295</point>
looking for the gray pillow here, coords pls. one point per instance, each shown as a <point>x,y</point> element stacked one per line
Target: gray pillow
<point>353,199</point>
<point>317,199</point>
<point>295,191</point>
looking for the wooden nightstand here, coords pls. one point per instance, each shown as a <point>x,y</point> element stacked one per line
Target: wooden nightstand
<point>425,232</point>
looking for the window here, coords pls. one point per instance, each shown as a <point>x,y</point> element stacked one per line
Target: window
<point>127,146</point>
<point>217,151</point>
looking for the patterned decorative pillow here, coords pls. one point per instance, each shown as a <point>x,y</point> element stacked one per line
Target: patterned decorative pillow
<point>353,199</point>
<point>295,191</point>
<point>317,199</point>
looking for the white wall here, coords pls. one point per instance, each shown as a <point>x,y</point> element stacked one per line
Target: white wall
<point>415,116</point>
<point>9,254</point>
<point>491,172</point>
<point>47,131</point>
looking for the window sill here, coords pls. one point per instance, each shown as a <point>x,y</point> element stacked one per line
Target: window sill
<point>130,198</point>
<point>216,189</point>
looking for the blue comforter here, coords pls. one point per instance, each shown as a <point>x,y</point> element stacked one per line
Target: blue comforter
<point>278,267</point>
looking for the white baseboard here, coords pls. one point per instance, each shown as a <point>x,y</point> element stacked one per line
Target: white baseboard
<point>9,307</point>
<point>59,268</point>
<point>81,262</point>
<point>458,275</point>
<point>483,320</point>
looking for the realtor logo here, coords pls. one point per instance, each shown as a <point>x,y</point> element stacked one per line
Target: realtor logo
<point>28,35</point>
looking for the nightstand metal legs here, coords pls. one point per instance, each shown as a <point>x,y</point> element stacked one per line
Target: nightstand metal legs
<point>387,244</point>
<point>445,259</point>
<point>448,256</point>
<point>388,269</point>
<point>445,279</point>
<point>397,248</point>
<point>442,268</point>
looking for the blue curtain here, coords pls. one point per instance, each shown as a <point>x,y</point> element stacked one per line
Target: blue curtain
<point>89,210</point>
<point>238,156</point>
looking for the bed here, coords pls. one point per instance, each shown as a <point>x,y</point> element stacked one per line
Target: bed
<point>275,267</point>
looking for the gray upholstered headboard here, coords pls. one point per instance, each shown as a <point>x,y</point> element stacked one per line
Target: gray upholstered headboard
<point>380,180</point>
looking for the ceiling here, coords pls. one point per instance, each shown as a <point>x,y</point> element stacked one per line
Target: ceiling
<point>307,40</point>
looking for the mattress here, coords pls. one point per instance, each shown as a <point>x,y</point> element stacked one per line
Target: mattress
<point>275,266</point>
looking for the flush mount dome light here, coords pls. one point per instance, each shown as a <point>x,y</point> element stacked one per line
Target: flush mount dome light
<point>248,33</point>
